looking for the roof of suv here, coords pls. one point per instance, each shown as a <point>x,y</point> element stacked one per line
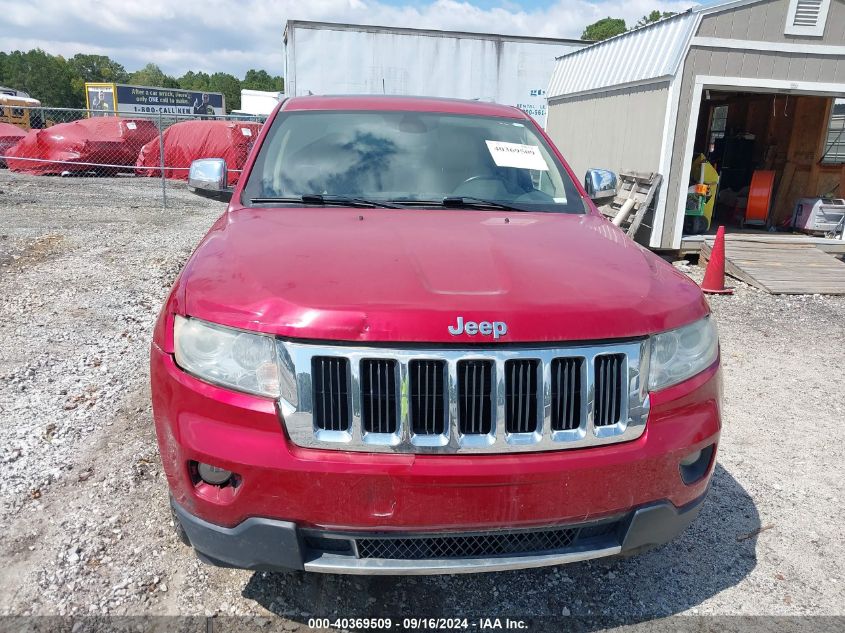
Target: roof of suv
<point>402,103</point>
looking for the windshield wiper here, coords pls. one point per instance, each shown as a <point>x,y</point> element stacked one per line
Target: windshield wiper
<point>329,200</point>
<point>470,202</point>
<point>319,198</point>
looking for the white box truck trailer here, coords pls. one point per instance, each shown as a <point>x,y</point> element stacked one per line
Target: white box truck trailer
<point>324,58</point>
<point>258,102</point>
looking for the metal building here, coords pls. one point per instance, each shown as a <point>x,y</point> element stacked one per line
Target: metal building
<point>758,75</point>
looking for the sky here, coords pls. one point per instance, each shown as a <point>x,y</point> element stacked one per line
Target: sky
<point>233,36</point>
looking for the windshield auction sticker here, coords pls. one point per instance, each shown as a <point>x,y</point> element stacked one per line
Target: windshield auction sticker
<point>517,155</point>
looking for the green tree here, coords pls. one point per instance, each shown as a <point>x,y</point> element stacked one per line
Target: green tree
<point>45,77</point>
<point>230,86</point>
<point>603,29</point>
<point>94,68</point>
<point>97,68</point>
<point>261,80</point>
<point>194,81</point>
<point>152,75</point>
<point>61,83</point>
<point>654,16</point>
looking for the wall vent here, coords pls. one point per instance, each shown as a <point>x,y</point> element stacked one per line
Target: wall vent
<point>806,17</point>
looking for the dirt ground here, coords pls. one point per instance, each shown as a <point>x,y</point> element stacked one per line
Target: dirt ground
<point>84,521</point>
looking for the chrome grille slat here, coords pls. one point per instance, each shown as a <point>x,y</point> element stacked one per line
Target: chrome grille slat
<point>521,396</point>
<point>371,400</point>
<point>429,423</point>
<point>334,392</point>
<point>609,382</point>
<point>378,396</point>
<point>471,395</point>
<point>526,396</point>
<point>566,393</point>
<point>613,385</point>
<point>498,399</point>
<point>382,401</point>
<point>562,395</point>
<point>333,412</point>
<point>474,395</point>
<point>427,397</point>
<point>609,390</point>
<point>601,397</point>
<point>375,401</point>
<point>325,392</point>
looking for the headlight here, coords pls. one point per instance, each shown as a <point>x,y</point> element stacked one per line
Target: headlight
<point>680,354</point>
<point>230,358</point>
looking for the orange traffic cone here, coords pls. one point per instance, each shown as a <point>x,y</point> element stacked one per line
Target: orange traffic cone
<point>714,275</point>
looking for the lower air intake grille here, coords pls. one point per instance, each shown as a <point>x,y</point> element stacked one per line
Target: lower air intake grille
<point>331,393</point>
<point>609,383</point>
<point>566,393</point>
<point>521,396</point>
<point>467,546</point>
<point>378,396</point>
<point>475,407</point>
<point>427,397</point>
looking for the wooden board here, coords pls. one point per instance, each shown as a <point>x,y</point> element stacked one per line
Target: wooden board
<point>691,244</point>
<point>781,268</point>
<point>803,124</point>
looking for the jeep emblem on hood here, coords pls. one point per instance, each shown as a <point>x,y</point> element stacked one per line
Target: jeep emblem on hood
<point>485,328</point>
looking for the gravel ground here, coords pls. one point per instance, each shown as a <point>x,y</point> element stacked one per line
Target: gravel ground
<point>84,522</point>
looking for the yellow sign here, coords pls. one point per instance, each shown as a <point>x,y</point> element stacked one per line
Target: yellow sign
<point>100,99</point>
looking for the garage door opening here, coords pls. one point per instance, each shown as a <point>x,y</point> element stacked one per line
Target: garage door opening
<point>760,157</point>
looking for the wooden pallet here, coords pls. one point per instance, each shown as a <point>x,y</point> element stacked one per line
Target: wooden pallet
<point>640,186</point>
<point>691,244</point>
<point>780,268</point>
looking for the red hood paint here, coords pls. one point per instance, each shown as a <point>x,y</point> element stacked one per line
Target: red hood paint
<point>387,275</point>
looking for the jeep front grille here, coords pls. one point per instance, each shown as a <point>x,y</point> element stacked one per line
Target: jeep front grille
<point>456,400</point>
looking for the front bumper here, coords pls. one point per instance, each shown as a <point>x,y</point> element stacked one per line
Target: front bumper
<point>342,491</point>
<point>267,544</point>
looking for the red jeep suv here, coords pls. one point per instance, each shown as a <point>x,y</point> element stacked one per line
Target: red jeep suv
<point>412,345</point>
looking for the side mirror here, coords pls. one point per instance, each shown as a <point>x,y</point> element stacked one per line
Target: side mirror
<point>600,184</point>
<point>208,178</point>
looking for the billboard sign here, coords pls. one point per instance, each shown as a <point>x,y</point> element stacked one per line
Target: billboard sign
<point>141,100</point>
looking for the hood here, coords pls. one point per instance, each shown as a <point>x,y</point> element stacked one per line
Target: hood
<point>383,275</point>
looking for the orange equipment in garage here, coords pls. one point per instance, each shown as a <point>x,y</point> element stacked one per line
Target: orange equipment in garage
<point>759,197</point>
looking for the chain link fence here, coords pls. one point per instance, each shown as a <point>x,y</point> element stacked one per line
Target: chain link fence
<point>118,147</point>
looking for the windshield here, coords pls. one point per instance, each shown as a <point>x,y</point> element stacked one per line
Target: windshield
<point>410,158</point>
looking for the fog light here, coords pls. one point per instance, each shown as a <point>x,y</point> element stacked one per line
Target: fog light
<point>693,467</point>
<point>213,475</point>
<point>690,459</point>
